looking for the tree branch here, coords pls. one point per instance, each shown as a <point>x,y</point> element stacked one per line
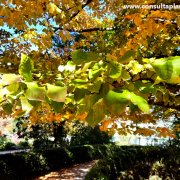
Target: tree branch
<point>173,106</point>
<point>74,15</point>
<point>157,20</point>
<point>161,20</point>
<point>83,6</point>
<point>88,30</point>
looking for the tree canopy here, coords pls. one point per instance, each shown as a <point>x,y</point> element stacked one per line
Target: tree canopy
<point>91,60</point>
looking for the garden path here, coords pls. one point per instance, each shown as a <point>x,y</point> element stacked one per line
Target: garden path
<point>75,172</point>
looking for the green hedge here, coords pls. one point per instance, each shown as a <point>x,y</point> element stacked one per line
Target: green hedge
<point>57,158</point>
<point>30,164</point>
<point>113,160</point>
<point>21,165</point>
<point>136,162</point>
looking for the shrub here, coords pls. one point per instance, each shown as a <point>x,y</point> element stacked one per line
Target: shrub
<point>10,146</point>
<point>135,162</point>
<point>57,158</point>
<point>82,153</point>
<point>84,135</point>
<point>20,165</point>
<point>24,145</point>
<point>3,141</point>
<point>100,171</point>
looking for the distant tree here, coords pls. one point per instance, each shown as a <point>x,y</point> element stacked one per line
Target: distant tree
<point>85,134</point>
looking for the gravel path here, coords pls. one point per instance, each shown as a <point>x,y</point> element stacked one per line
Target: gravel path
<point>76,172</point>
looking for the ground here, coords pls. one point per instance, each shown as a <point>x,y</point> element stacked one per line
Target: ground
<point>75,172</point>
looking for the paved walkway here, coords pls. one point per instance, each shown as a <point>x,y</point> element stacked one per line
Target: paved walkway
<point>76,172</point>
<point>14,151</point>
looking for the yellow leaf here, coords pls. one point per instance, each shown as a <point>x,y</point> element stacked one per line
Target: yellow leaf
<point>53,9</point>
<point>68,115</point>
<point>138,20</point>
<point>111,57</point>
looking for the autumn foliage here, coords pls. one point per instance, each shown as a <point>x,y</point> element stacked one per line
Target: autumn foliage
<point>90,60</point>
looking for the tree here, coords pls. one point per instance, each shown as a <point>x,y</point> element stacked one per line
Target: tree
<point>82,134</point>
<point>112,62</point>
<point>44,135</point>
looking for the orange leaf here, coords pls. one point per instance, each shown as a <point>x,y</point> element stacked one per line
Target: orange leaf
<point>138,20</point>
<point>57,117</point>
<point>18,112</point>
<point>82,116</point>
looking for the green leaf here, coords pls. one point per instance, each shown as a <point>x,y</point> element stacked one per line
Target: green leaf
<point>86,66</point>
<point>56,93</point>
<point>80,57</point>
<point>117,101</point>
<point>104,89</point>
<point>7,107</point>
<point>163,68</point>
<point>117,97</point>
<point>114,70</point>
<point>70,66</point>
<point>8,79</point>
<point>34,103</point>
<point>145,87</point>
<point>135,67</point>
<point>12,88</point>
<point>80,83</point>
<point>69,100</point>
<point>93,74</point>
<point>95,86</point>
<point>133,107</point>
<point>15,91</point>
<point>80,93</point>
<point>26,106</point>
<point>168,69</point>
<point>26,67</point>
<point>34,92</point>
<point>148,89</point>
<point>125,75</point>
<point>97,113</point>
<point>175,77</point>
<point>129,86</point>
<point>88,102</point>
<point>127,56</point>
<point>57,106</point>
<point>139,56</point>
<point>140,102</point>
